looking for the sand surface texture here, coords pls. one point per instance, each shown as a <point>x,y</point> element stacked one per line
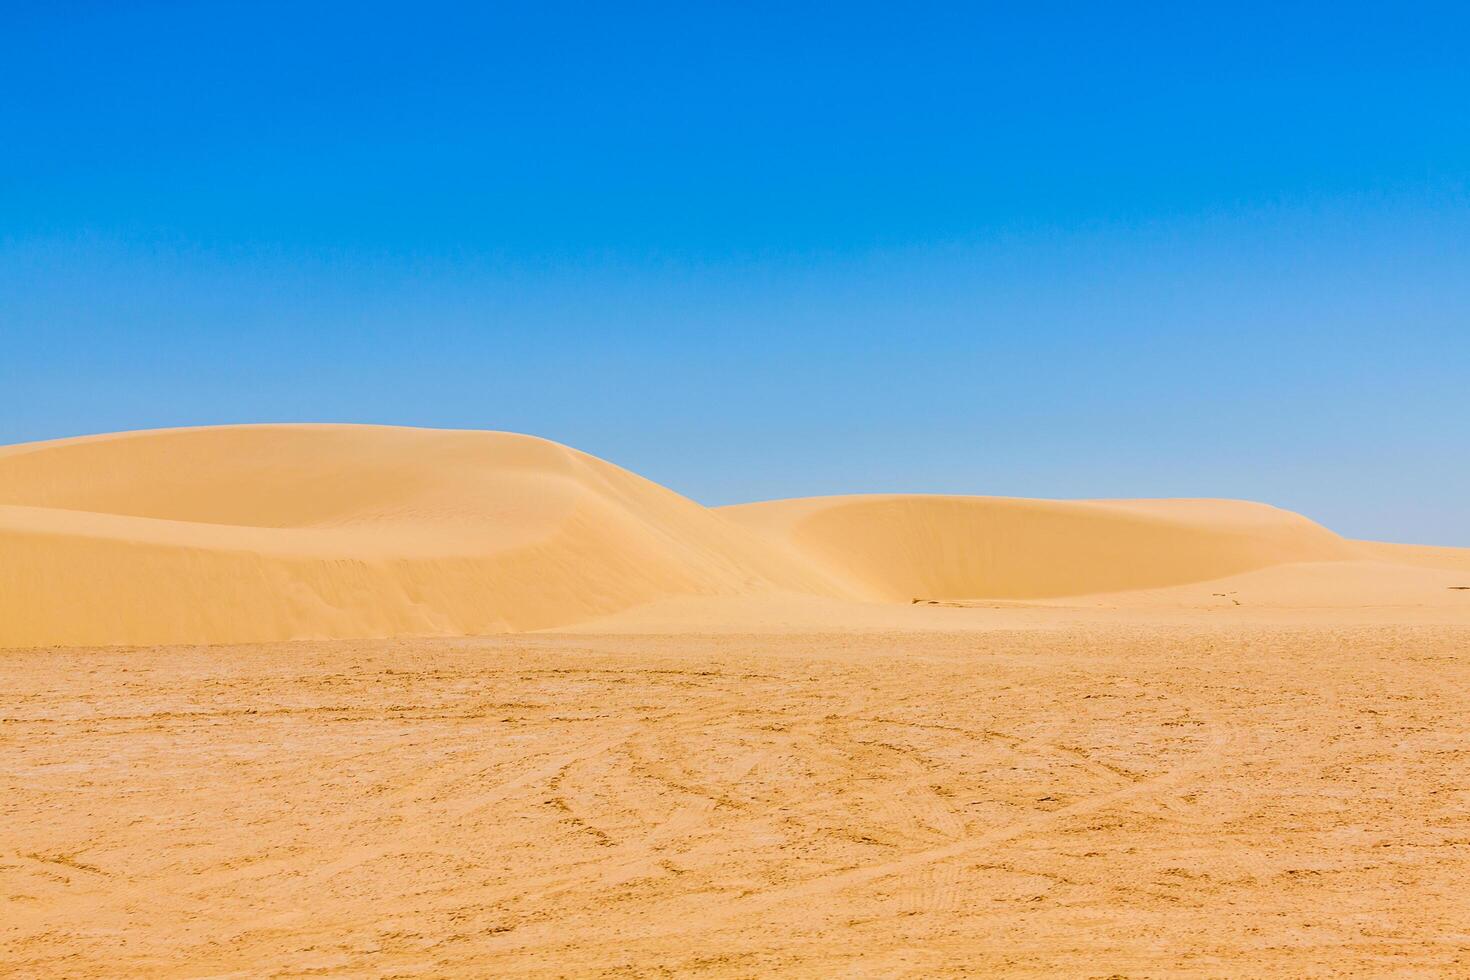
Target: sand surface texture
<point>856,736</point>
<point>1074,800</point>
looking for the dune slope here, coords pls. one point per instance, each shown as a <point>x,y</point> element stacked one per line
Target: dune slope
<point>275,532</point>
<point>254,533</point>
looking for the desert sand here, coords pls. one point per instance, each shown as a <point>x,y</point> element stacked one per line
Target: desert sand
<point>285,700</point>
<point>256,533</point>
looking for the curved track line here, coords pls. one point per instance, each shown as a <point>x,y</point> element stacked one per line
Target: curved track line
<point>837,881</point>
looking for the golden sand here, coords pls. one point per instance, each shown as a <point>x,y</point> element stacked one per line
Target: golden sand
<point>876,736</point>
<point>1079,799</point>
<point>258,533</point>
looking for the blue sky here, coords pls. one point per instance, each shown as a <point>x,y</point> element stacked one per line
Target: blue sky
<point>764,250</point>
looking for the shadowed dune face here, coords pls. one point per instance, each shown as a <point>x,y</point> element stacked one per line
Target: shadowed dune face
<point>253,533</point>
<point>894,548</point>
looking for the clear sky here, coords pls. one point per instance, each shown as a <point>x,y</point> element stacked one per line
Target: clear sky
<point>761,250</point>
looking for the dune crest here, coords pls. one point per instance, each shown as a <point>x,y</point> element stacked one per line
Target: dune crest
<point>270,532</point>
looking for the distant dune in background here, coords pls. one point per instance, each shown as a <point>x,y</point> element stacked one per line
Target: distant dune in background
<point>274,532</point>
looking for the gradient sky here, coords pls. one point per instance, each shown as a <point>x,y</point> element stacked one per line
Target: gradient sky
<point>757,250</point>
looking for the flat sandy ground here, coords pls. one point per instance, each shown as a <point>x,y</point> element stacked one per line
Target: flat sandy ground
<point>1077,800</point>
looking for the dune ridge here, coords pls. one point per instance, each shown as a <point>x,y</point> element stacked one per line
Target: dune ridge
<point>271,532</point>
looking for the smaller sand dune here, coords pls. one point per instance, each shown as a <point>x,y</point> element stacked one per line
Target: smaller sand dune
<point>1423,556</point>
<point>896,548</point>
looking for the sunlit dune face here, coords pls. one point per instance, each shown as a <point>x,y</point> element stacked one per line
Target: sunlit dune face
<point>253,533</point>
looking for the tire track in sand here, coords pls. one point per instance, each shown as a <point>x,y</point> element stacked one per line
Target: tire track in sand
<point>866,874</point>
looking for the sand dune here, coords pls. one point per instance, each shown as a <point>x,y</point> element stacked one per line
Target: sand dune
<point>896,548</point>
<point>279,532</point>
<point>253,533</point>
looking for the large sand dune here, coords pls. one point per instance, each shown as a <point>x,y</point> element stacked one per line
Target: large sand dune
<point>279,532</point>
<point>252,533</point>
